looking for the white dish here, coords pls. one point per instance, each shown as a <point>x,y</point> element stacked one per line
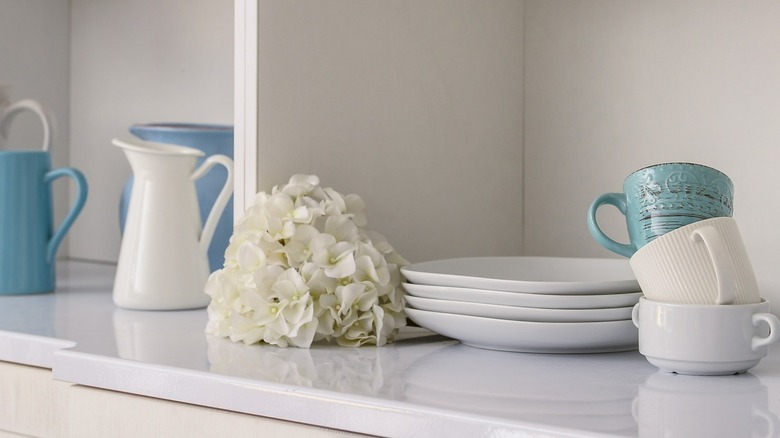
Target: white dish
<point>523,299</point>
<point>530,337</point>
<point>519,313</point>
<point>548,275</point>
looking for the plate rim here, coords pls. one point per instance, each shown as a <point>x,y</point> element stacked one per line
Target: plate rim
<point>530,347</point>
<point>542,311</point>
<point>415,275</point>
<point>491,296</point>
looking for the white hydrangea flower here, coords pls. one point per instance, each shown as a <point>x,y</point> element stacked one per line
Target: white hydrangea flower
<point>298,249</point>
<point>300,185</point>
<point>300,268</point>
<point>318,282</point>
<point>334,257</point>
<point>370,265</point>
<point>249,256</point>
<point>342,228</point>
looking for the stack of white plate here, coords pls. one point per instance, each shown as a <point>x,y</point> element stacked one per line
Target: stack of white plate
<point>526,304</point>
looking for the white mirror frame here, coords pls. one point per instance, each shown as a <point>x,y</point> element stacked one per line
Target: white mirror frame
<point>245,102</point>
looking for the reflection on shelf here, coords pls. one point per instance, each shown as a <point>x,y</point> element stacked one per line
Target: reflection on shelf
<point>671,405</point>
<point>529,387</point>
<point>370,371</point>
<point>167,338</point>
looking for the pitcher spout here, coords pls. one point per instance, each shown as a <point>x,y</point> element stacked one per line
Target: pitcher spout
<point>150,147</point>
<point>158,160</point>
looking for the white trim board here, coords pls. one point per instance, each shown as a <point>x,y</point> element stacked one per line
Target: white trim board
<point>245,104</point>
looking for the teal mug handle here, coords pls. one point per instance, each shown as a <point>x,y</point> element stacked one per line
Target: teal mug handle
<point>617,200</point>
<point>75,209</point>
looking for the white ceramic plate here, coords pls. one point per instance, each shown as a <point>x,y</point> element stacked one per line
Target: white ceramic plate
<point>519,313</point>
<point>530,337</point>
<point>547,275</point>
<point>523,299</point>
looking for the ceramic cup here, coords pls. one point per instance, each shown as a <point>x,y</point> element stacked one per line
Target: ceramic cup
<point>28,244</point>
<point>702,263</point>
<point>661,198</point>
<point>704,339</point>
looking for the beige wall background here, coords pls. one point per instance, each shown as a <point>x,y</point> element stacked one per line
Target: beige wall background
<point>496,123</point>
<point>100,67</point>
<point>135,62</point>
<point>414,105</point>
<point>612,86</point>
<point>34,62</point>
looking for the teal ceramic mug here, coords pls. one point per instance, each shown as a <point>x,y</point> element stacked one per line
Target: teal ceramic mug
<point>661,198</point>
<point>28,243</point>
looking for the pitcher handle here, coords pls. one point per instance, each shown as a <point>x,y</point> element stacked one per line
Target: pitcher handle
<point>8,114</point>
<point>222,199</point>
<point>75,209</point>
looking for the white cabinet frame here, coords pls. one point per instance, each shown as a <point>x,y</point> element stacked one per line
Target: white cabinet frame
<point>245,113</point>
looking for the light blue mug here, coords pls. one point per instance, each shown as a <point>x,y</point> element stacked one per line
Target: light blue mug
<point>661,198</point>
<point>28,244</point>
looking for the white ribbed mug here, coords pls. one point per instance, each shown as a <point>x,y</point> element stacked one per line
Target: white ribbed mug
<point>702,263</point>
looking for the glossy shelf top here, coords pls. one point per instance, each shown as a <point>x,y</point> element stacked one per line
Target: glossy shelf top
<point>423,385</point>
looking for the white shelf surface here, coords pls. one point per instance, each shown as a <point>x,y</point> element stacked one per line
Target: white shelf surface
<point>424,385</point>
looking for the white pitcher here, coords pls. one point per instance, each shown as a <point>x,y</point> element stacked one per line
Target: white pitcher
<point>162,261</point>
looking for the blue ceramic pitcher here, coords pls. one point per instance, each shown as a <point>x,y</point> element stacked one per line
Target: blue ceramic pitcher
<point>211,140</point>
<point>28,242</point>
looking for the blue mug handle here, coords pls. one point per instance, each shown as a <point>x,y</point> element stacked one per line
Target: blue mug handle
<point>617,200</point>
<point>75,209</point>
